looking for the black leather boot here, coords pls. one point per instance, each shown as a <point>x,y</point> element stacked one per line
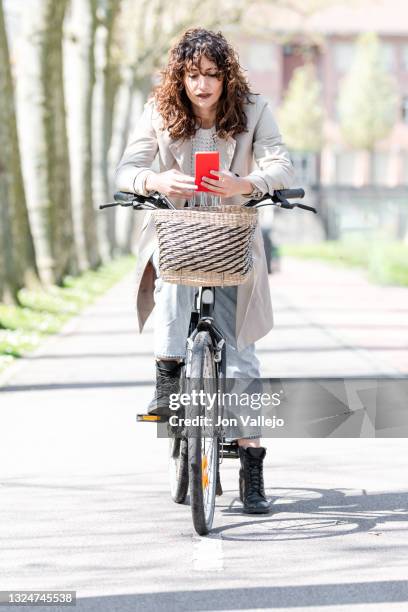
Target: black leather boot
<point>251,484</point>
<point>167,382</point>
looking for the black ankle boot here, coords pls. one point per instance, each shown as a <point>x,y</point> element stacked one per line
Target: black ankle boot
<point>251,484</point>
<point>167,382</point>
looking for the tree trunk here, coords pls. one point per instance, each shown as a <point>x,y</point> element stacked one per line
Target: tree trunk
<point>104,96</point>
<point>42,129</point>
<point>17,256</point>
<point>124,109</point>
<point>80,79</point>
<point>57,144</point>
<point>131,98</point>
<point>8,289</point>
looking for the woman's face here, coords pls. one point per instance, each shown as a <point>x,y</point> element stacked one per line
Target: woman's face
<point>203,85</point>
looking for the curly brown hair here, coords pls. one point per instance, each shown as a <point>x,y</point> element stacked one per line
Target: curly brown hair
<point>170,96</point>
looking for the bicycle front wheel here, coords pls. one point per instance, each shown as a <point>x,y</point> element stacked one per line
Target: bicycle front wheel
<point>203,441</point>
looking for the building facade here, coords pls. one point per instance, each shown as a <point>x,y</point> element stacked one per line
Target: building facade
<point>328,38</point>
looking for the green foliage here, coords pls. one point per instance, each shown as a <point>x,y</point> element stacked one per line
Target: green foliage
<point>368,99</point>
<point>385,262</point>
<point>301,114</point>
<point>388,264</point>
<point>22,328</point>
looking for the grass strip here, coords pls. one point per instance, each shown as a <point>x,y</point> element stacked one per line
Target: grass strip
<point>385,262</point>
<point>42,313</point>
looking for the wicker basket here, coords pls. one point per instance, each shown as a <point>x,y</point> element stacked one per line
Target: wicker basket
<point>204,246</point>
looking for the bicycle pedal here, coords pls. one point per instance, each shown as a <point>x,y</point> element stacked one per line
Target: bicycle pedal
<point>151,418</point>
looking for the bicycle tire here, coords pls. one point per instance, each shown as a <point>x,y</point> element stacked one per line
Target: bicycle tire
<point>178,458</point>
<point>203,451</point>
<point>178,469</point>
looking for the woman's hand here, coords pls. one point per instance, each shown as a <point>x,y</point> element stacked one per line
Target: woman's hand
<point>227,185</point>
<point>172,183</point>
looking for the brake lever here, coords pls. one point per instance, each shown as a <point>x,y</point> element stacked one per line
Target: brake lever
<point>102,206</point>
<point>289,205</point>
<point>145,206</point>
<point>307,208</point>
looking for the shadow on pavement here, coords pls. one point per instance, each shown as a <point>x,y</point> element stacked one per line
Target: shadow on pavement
<point>259,598</point>
<point>329,513</point>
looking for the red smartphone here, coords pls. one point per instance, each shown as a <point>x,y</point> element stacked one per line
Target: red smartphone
<point>204,162</point>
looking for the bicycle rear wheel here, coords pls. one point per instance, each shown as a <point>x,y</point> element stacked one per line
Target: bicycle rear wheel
<point>203,441</point>
<point>178,469</point>
<point>178,457</point>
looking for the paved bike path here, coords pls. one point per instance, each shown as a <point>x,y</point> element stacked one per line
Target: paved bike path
<point>84,501</point>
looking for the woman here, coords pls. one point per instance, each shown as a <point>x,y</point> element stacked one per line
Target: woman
<point>204,103</point>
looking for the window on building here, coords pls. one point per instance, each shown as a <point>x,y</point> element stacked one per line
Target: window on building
<point>345,162</point>
<point>305,168</point>
<point>288,50</point>
<point>388,55</point>
<point>343,55</point>
<point>261,57</point>
<point>381,162</point>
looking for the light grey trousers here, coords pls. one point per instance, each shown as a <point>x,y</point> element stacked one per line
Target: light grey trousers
<point>173,305</point>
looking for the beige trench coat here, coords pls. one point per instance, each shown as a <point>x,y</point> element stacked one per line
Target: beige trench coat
<point>258,155</point>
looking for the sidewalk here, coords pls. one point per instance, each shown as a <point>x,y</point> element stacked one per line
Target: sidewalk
<point>330,321</point>
<point>84,489</point>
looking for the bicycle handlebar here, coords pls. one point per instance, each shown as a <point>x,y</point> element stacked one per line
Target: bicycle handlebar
<point>157,200</point>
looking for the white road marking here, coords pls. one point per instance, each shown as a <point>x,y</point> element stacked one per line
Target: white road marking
<point>208,554</point>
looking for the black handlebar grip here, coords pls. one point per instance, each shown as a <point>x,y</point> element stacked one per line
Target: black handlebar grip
<point>292,193</point>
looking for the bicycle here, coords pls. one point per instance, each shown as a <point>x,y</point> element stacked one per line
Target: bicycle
<point>197,448</point>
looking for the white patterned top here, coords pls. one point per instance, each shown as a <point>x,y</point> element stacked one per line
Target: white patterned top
<point>205,139</point>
